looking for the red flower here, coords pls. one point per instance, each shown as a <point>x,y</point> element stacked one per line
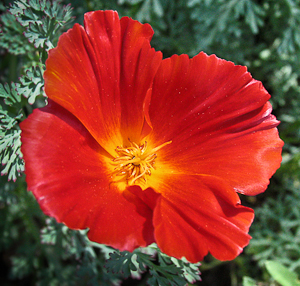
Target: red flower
<point>142,150</point>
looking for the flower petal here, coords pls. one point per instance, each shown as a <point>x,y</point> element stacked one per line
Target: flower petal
<point>219,120</point>
<point>72,80</point>
<point>65,170</point>
<point>140,63</point>
<point>101,74</point>
<point>199,214</point>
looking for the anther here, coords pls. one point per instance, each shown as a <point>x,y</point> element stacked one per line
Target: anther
<point>135,163</point>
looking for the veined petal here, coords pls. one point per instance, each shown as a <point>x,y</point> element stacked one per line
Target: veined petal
<point>218,119</point>
<point>66,172</point>
<point>139,66</point>
<point>73,80</point>
<point>199,214</point>
<point>101,74</point>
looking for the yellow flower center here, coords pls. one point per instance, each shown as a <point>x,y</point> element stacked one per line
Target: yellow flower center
<point>133,164</point>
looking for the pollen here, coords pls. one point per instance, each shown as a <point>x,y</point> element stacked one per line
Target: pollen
<point>135,163</point>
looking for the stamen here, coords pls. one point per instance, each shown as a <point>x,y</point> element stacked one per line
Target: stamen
<point>135,163</point>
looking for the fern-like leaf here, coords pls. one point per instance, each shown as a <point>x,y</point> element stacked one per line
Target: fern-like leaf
<point>31,85</point>
<point>169,271</point>
<point>41,20</point>
<point>10,143</point>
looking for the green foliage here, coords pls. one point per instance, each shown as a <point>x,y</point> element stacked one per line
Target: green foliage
<point>11,114</point>
<point>10,143</point>
<point>67,245</point>
<point>276,233</point>
<point>247,281</point>
<point>41,20</point>
<point>224,17</point>
<point>281,274</point>
<point>11,36</point>
<point>290,10</point>
<point>45,251</point>
<point>169,271</point>
<point>31,85</point>
<point>278,273</point>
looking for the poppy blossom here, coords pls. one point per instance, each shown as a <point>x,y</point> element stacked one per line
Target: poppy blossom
<point>141,149</point>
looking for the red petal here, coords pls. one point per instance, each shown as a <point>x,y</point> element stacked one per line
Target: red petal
<point>66,171</point>
<point>200,214</point>
<point>72,80</point>
<point>218,119</point>
<point>139,65</point>
<point>141,198</point>
<point>101,75</point>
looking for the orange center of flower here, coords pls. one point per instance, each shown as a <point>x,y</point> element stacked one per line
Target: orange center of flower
<point>133,164</point>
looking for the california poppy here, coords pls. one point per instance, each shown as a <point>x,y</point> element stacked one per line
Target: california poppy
<point>141,149</point>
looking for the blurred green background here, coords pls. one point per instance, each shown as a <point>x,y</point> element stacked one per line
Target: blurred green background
<point>263,35</point>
